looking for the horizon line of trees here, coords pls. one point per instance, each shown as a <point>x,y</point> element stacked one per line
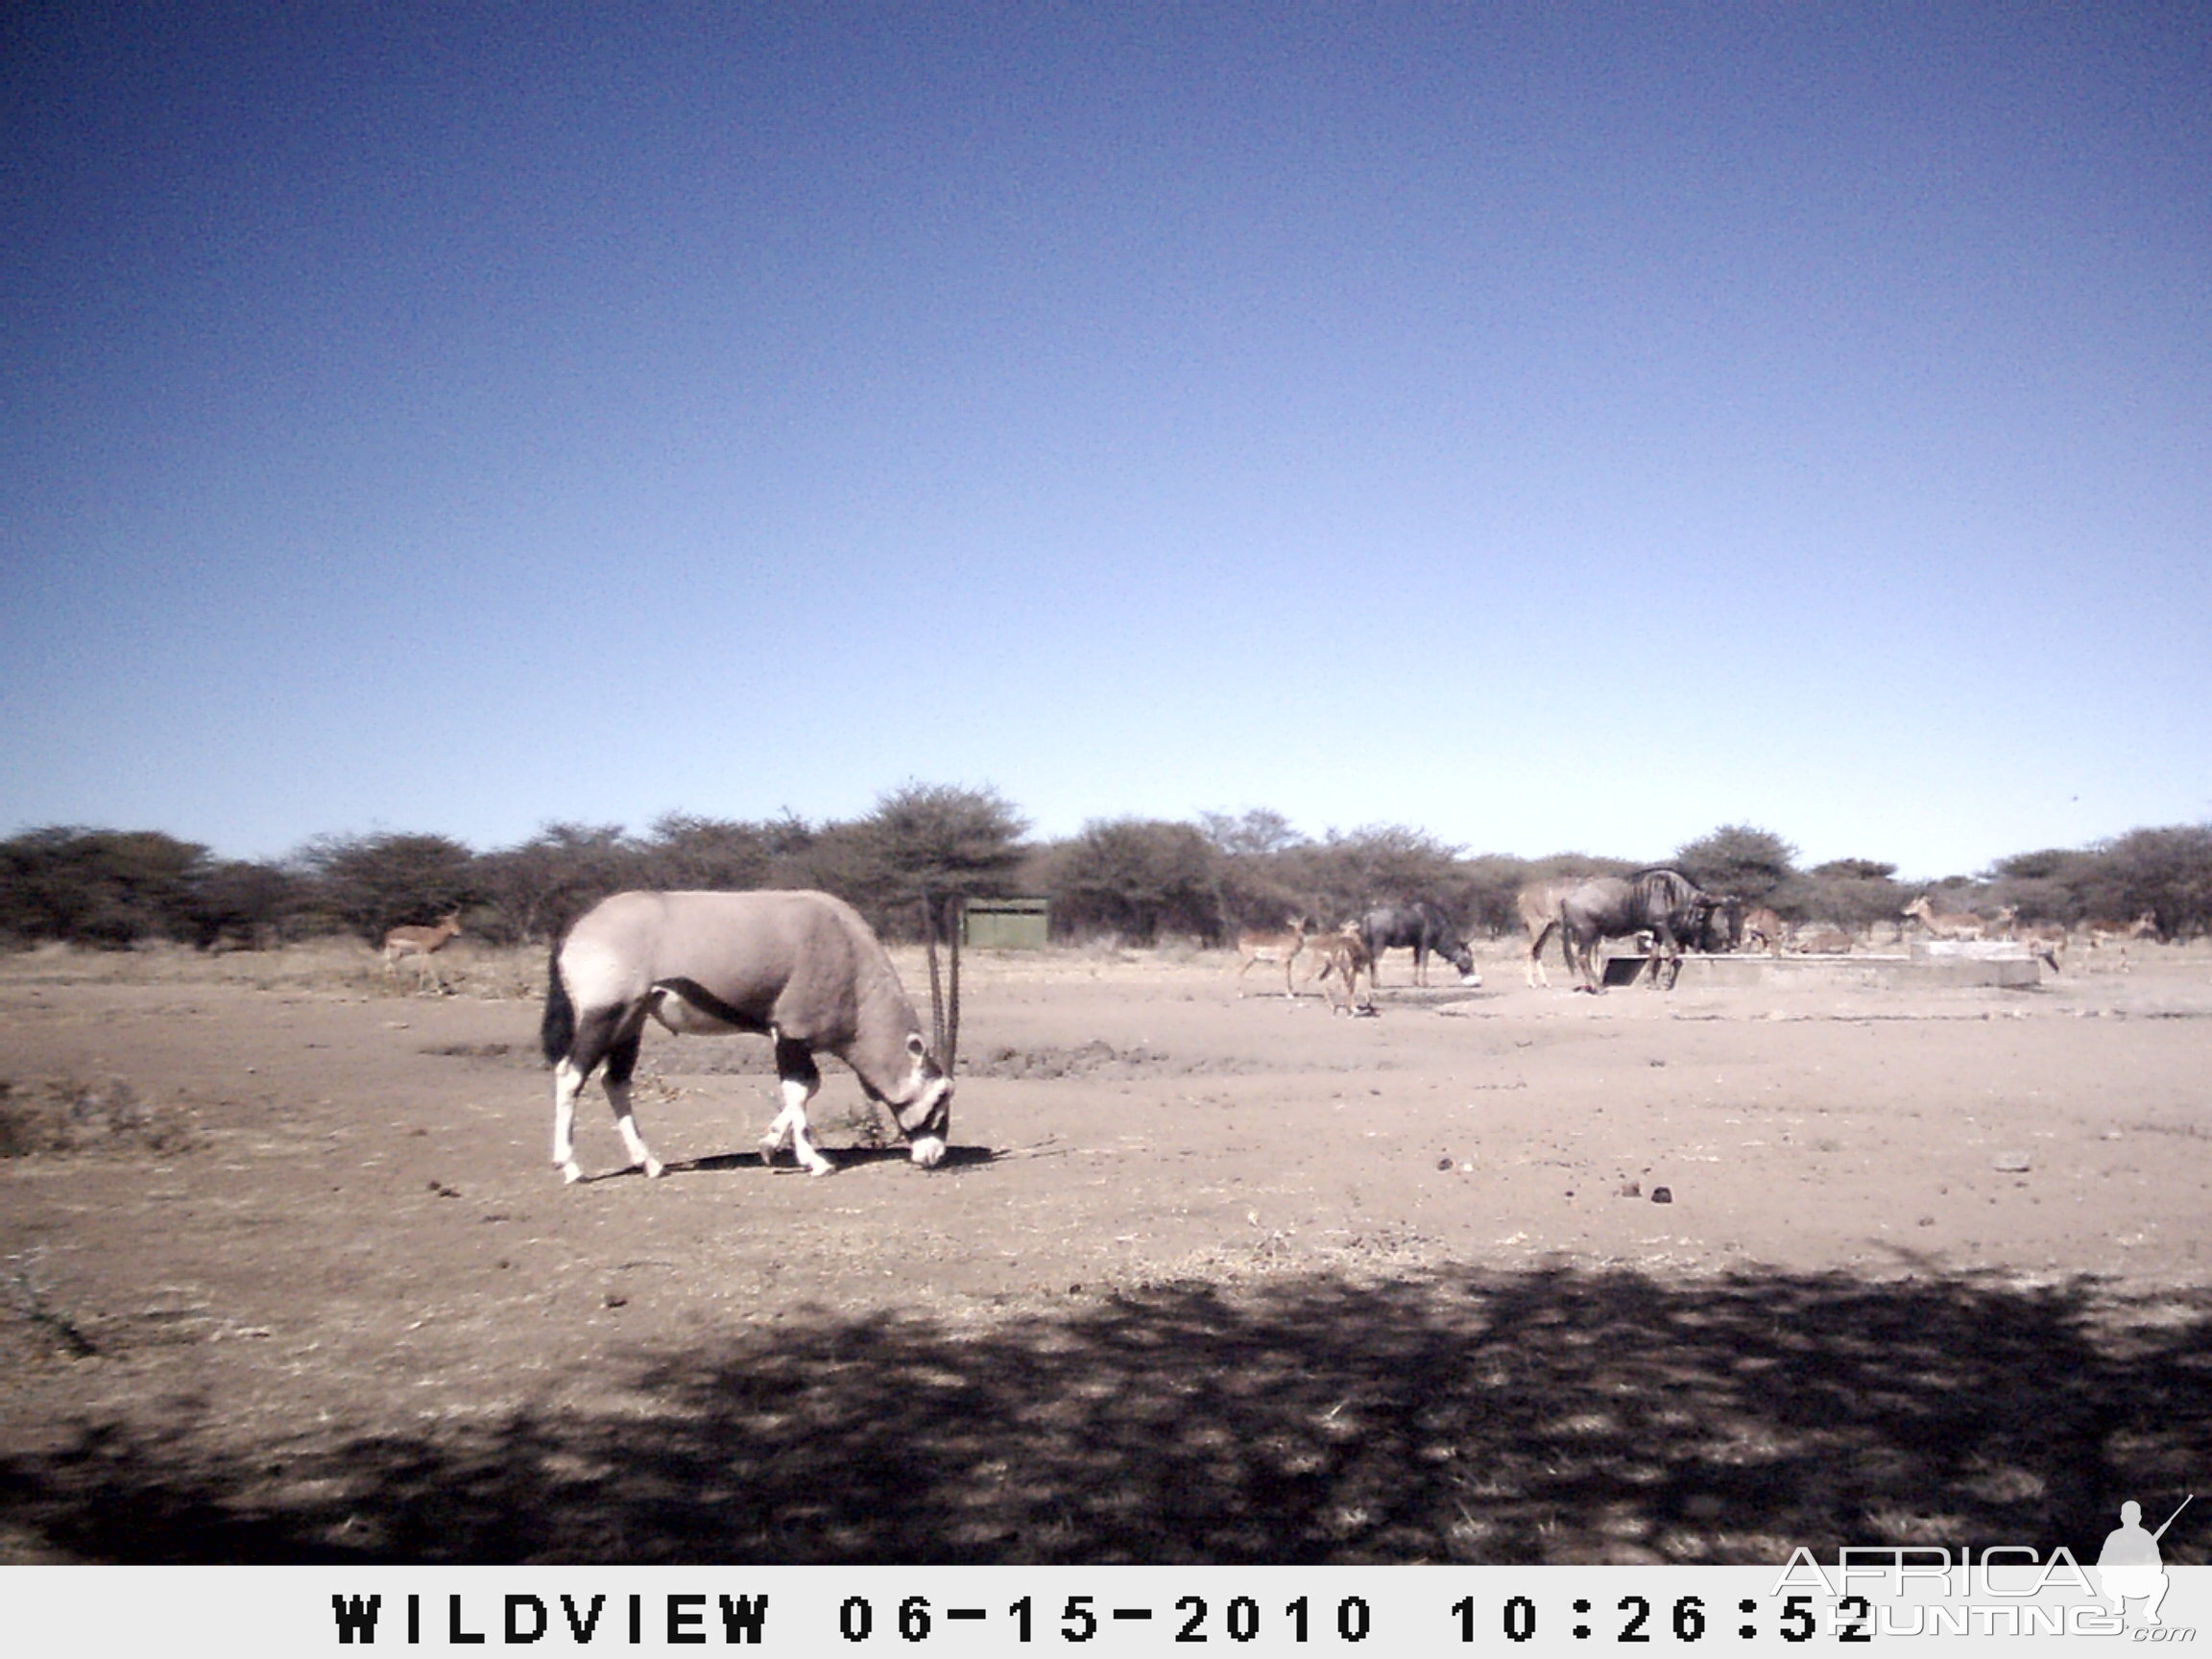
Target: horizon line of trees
<point>1137,880</point>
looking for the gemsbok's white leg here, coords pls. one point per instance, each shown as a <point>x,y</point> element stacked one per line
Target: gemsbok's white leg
<point>567,1084</point>
<point>791,1122</point>
<point>626,1121</point>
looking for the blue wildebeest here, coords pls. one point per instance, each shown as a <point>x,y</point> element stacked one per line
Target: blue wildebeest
<point>800,968</point>
<point>1424,929</point>
<point>1664,903</point>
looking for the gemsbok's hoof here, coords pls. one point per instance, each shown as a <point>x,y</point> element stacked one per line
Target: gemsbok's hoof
<point>654,1168</point>
<point>570,1173</point>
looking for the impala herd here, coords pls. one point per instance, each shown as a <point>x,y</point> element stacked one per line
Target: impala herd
<point>1342,953</point>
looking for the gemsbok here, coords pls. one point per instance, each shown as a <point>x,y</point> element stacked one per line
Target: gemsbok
<point>421,944</point>
<point>800,968</point>
<point>1944,923</point>
<point>1255,946</point>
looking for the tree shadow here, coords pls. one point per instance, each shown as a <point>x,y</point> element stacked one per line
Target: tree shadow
<point>1479,1417</point>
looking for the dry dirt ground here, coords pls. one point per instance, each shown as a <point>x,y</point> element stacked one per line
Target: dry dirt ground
<point>285,1274</point>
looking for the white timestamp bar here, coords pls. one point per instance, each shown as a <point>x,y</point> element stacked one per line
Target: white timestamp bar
<point>251,1611</point>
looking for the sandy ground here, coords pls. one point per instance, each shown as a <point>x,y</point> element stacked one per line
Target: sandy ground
<point>1206,1279</point>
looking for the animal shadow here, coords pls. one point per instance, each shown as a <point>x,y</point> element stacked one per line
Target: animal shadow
<point>786,1162</point>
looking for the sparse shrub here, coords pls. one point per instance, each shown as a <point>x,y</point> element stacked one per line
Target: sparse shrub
<point>864,1126</point>
<point>68,1115</point>
<point>23,1293</point>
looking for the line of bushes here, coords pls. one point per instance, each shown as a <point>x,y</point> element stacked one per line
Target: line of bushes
<point>1139,879</point>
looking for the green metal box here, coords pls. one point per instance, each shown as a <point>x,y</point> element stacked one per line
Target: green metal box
<point>1005,923</point>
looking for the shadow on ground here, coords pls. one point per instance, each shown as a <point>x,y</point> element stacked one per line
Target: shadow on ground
<point>1547,1416</point>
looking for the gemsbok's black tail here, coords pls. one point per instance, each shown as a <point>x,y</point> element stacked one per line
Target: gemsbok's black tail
<point>557,1031</point>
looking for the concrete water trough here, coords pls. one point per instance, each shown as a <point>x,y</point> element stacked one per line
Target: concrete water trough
<point>1925,963</point>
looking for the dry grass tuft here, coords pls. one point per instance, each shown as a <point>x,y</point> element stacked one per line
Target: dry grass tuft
<point>66,1114</point>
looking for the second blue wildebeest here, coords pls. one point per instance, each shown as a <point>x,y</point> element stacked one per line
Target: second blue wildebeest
<point>1422,928</point>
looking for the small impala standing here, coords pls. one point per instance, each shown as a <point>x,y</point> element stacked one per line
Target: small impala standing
<point>421,943</point>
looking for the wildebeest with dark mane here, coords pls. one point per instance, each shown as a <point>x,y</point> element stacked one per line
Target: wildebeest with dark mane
<point>800,968</point>
<point>1664,903</point>
<point>1422,928</point>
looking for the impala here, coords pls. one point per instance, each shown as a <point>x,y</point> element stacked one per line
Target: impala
<point>1254,948</point>
<point>421,943</point>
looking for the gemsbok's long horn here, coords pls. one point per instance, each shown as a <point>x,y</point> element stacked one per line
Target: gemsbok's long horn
<point>945,1026</point>
<point>952,1011</point>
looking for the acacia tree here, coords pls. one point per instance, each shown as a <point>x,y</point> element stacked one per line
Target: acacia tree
<point>1254,853</point>
<point>535,889</point>
<point>1753,865</point>
<point>931,843</point>
<point>242,902</point>
<point>1856,893</point>
<point>374,884</point>
<point>106,887</point>
<point>688,852</point>
<point>1490,889</point>
<point>1138,878</point>
<point>2167,871</point>
<point>1258,832</point>
<point>1350,869</point>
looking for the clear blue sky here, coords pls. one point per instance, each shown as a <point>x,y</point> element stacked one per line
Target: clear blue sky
<point>1548,426</point>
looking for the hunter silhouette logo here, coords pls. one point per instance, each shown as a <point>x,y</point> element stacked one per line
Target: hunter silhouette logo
<point>2130,1566</point>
